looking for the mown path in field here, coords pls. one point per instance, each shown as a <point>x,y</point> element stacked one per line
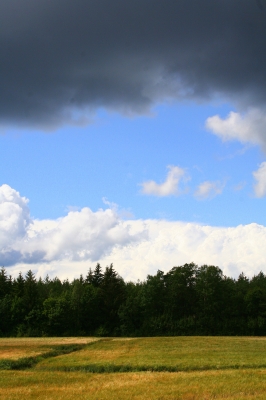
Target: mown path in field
<point>162,368</point>
<point>164,354</point>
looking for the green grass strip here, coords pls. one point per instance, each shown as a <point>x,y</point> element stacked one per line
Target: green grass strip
<point>112,368</point>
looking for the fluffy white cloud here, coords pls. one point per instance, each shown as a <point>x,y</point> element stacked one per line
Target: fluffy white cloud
<point>247,128</point>
<point>14,215</point>
<point>260,177</point>
<point>167,188</point>
<point>81,235</point>
<point>209,190</point>
<point>174,243</point>
<point>167,244</point>
<point>71,245</point>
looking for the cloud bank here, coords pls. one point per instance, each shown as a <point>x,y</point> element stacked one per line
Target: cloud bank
<point>63,59</point>
<point>80,235</point>
<point>72,244</point>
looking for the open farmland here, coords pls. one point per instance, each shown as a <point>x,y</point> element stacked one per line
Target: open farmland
<point>136,368</point>
<point>17,348</point>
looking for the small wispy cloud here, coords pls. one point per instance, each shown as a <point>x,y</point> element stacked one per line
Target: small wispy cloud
<point>122,213</point>
<point>239,186</point>
<point>72,208</point>
<point>170,186</point>
<point>260,177</point>
<point>209,189</point>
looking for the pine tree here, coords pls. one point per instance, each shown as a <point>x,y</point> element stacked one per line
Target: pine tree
<point>97,276</point>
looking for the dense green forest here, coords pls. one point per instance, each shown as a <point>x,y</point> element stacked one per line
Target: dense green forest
<point>188,300</point>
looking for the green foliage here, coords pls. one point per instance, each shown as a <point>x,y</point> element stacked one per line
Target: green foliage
<point>187,300</point>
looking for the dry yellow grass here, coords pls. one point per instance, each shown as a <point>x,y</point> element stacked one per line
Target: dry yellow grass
<point>44,382</point>
<point>15,348</point>
<point>218,385</point>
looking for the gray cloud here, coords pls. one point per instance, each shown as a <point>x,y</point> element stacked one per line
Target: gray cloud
<point>261,4</point>
<point>61,60</point>
<point>9,257</point>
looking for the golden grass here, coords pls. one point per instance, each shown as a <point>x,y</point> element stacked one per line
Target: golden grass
<point>15,348</point>
<point>45,382</point>
<point>229,385</point>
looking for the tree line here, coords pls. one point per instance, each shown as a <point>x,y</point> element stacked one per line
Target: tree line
<point>187,300</point>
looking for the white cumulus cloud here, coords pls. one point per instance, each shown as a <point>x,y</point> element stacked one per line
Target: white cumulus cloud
<point>234,249</point>
<point>80,235</point>
<point>247,128</point>
<point>260,177</point>
<point>14,215</point>
<point>167,244</point>
<point>208,189</point>
<point>169,186</point>
<point>72,244</point>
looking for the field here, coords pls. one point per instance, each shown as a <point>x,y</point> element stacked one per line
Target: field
<point>172,368</point>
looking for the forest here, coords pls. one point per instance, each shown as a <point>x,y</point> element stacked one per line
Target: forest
<point>187,300</point>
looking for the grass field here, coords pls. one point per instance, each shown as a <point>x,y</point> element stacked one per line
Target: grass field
<point>173,368</point>
<point>16,348</point>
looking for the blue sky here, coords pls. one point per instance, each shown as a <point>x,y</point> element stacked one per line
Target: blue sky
<point>132,133</point>
<point>77,167</point>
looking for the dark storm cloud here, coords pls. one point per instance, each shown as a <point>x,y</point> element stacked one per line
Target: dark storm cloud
<point>61,59</point>
<point>260,4</point>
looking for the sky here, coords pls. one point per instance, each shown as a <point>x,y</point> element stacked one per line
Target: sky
<point>132,133</point>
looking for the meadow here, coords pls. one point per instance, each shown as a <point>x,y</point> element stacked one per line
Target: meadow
<point>171,368</point>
